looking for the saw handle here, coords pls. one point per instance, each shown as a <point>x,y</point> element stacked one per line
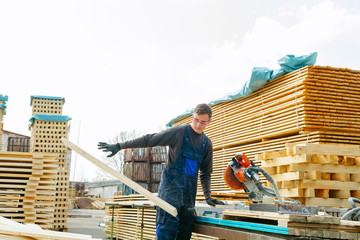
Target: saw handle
<point>243,159</point>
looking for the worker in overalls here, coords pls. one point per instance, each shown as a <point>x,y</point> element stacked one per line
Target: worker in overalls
<point>190,150</point>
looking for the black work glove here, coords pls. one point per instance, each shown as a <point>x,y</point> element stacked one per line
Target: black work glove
<point>213,201</point>
<point>113,148</point>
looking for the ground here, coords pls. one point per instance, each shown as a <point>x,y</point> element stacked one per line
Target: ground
<point>86,221</point>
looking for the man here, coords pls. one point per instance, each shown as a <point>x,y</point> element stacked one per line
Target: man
<point>190,150</point>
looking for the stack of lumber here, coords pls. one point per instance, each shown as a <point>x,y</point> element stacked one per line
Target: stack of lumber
<point>313,104</point>
<point>311,226</point>
<point>316,174</point>
<point>127,220</point>
<point>11,230</point>
<point>46,134</point>
<point>27,187</point>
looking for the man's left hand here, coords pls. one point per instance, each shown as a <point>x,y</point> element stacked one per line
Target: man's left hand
<point>213,202</point>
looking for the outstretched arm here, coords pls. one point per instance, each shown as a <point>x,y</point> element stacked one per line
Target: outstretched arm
<point>168,137</point>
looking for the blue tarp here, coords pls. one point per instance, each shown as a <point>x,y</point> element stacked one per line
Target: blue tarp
<point>51,118</point>
<point>4,99</point>
<point>259,77</point>
<point>45,97</point>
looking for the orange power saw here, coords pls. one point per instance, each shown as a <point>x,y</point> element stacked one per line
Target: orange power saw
<point>242,174</point>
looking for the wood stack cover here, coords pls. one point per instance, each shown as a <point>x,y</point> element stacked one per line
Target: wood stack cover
<point>27,187</point>
<point>313,104</point>
<point>127,220</point>
<point>3,100</point>
<point>316,174</point>
<point>46,138</point>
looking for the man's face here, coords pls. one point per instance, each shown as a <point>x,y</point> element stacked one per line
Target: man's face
<point>199,122</point>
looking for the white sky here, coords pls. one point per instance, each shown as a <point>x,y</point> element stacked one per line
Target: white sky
<point>124,65</point>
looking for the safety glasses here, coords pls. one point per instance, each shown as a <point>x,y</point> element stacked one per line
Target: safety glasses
<point>202,123</point>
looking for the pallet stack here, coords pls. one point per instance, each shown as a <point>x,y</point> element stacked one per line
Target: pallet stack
<point>316,174</point>
<point>127,220</point>
<point>313,104</point>
<point>3,100</point>
<point>48,126</point>
<point>145,165</point>
<point>27,187</point>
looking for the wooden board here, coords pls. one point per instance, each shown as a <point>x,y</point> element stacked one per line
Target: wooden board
<point>159,202</point>
<point>16,231</point>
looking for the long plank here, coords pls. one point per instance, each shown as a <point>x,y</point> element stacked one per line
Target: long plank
<point>157,201</point>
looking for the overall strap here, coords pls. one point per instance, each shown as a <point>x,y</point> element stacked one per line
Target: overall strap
<point>186,134</point>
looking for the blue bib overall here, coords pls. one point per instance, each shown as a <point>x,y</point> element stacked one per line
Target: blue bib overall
<point>178,187</point>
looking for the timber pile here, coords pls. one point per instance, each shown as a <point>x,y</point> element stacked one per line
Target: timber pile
<point>316,174</point>
<point>312,226</point>
<point>46,137</point>
<point>11,230</point>
<point>127,220</point>
<point>27,187</point>
<point>313,104</point>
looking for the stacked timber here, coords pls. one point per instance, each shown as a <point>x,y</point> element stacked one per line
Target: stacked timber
<point>316,174</point>
<point>313,104</point>
<point>127,219</point>
<point>27,187</point>
<point>145,165</point>
<point>48,126</point>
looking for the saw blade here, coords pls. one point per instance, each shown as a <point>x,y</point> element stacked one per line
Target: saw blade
<point>231,180</point>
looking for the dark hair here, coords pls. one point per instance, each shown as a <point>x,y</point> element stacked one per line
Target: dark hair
<point>203,108</point>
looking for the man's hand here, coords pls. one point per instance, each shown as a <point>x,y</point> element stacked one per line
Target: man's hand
<point>113,148</point>
<point>213,201</point>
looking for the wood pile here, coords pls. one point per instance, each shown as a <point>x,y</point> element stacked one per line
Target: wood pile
<point>46,138</point>
<point>11,230</point>
<point>145,165</point>
<point>127,220</point>
<point>311,226</point>
<point>314,104</point>
<point>316,174</point>
<point>27,187</point>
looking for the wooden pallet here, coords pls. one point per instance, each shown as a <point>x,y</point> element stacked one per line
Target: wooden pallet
<point>47,106</point>
<point>316,174</point>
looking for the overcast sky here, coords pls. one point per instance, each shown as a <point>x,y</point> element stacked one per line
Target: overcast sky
<point>124,65</point>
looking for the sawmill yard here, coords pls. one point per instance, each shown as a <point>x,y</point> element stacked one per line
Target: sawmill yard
<point>285,153</point>
<point>302,128</point>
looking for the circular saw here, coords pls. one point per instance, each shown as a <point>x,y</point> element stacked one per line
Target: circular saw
<point>242,174</point>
